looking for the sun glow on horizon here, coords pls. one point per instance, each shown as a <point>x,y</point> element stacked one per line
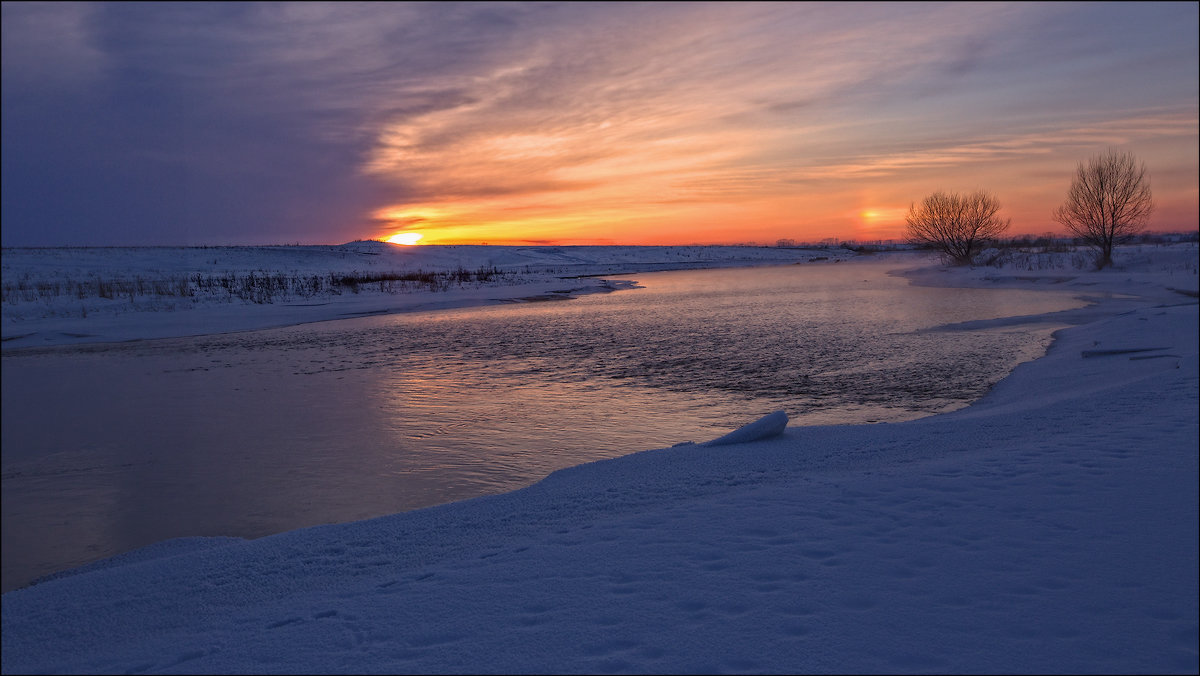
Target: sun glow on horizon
<point>405,238</point>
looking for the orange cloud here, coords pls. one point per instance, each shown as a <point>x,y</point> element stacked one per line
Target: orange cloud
<point>723,131</point>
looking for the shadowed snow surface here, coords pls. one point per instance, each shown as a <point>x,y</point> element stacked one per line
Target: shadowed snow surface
<point>1050,527</point>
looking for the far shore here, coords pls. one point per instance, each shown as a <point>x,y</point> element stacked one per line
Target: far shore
<point>522,274</point>
<point>33,325</point>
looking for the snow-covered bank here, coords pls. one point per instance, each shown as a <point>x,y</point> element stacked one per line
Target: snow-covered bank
<point>1143,273</point>
<point>88,295</point>
<point>1050,527</point>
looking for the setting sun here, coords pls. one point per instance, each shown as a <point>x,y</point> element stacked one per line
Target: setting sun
<point>406,238</point>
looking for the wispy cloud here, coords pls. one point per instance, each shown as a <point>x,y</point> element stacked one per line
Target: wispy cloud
<point>49,42</point>
<point>494,121</point>
<point>1020,146</point>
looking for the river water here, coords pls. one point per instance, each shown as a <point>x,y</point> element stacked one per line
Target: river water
<point>107,448</point>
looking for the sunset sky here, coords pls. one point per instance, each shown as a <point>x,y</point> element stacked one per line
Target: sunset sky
<point>576,123</point>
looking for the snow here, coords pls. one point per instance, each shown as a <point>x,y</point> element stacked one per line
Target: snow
<point>770,425</point>
<point>43,303</point>
<point>1050,527</point>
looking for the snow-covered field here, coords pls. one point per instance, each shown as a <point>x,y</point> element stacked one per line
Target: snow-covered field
<point>77,295</point>
<point>1052,527</point>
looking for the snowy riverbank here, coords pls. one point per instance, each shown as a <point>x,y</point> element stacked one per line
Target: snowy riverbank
<point>1050,527</point>
<point>88,295</point>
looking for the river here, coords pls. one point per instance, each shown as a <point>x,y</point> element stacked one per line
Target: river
<point>107,448</point>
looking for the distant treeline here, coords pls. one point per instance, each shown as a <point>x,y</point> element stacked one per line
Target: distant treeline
<point>1062,244</point>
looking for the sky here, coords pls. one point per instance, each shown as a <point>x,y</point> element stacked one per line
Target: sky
<point>576,123</point>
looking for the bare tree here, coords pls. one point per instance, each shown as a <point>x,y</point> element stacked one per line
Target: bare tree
<point>1108,202</point>
<point>959,226</point>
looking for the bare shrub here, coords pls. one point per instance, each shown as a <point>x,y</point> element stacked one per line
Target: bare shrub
<point>1108,203</point>
<point>959,226</point>
<point>257,287</point>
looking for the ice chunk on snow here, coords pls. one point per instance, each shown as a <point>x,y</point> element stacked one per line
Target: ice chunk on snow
<point>768,426</point>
